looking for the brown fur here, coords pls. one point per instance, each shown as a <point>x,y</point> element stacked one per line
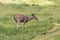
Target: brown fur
<point>23,18</point>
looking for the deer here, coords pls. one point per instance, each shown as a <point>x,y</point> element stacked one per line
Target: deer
<point>24,18</point>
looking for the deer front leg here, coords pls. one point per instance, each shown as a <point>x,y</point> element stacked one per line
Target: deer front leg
<point>25,21</point>
<point>24,25</point>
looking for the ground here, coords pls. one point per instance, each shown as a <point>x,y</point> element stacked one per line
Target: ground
<point>46,28</point>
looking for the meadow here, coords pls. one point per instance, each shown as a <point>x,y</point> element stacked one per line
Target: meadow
<point>46,28</point>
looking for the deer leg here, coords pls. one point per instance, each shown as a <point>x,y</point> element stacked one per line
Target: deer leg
<point>17,24</point>
<point>24,24</point>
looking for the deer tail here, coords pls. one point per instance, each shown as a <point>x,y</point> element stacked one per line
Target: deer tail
<point>15,19</point>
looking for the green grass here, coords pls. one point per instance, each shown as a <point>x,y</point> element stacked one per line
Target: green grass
<point>47,15</point>
<point>56,37</point>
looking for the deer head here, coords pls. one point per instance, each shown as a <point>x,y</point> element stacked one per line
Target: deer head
<point>34,17</point>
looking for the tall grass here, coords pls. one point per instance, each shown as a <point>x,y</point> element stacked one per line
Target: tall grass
<point>47,15</point>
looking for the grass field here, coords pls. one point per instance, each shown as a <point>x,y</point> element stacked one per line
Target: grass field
<point>46,28</point>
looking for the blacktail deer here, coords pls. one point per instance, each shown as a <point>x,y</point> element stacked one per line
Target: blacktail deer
<point>23,18</point>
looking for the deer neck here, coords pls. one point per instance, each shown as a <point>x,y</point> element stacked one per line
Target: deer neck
<point>30,18</point>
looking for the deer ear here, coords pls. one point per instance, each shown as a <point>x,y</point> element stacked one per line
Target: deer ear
<point>33,14</point>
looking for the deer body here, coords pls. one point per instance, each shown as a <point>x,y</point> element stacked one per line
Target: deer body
<point>22,18</point>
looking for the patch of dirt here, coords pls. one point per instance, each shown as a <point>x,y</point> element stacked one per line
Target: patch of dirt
<point>49,36</point>
<point>56,27</point>
<point>43,37</point>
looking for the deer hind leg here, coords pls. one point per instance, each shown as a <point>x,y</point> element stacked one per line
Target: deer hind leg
<point>16,22</point>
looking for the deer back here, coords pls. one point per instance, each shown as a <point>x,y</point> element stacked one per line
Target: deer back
<point>20,17</point>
